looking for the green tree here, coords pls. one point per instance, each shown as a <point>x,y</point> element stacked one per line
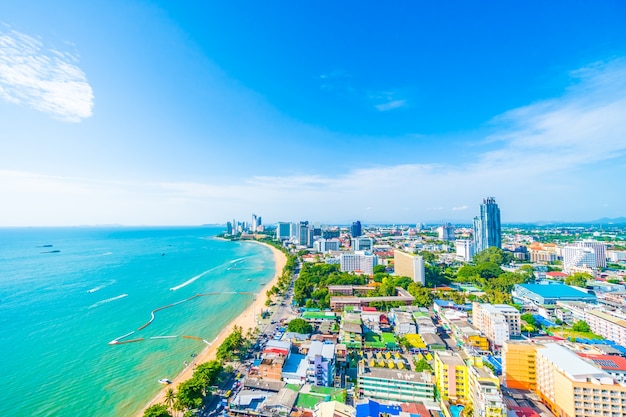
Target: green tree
<point>170,399</point>
<point>300,325</point>
<point>423,296</point>
<point>157,410</point>
<point>423,365</point>
<point>190,393</point>
<point>379,269</point>
<point>530,319</point>
<point>578,279</point>
<point>581,326</point>
<point>428,256</point>
<point>208,373</point>
<point>493,255</point>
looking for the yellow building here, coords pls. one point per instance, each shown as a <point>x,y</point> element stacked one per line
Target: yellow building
<point>451,377</point>
<point>479,342</point>
<point>518,364</point>
<point>572,387</point>
<point>408,265</point>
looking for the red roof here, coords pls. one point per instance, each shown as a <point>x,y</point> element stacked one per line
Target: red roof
<point>607,362</point>
<point>415,408</point>
<point>368,309</point>
<point>556,274</point>
<point>524,412</point>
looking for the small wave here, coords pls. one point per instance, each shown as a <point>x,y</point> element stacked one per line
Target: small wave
<point>107,254</point>
<point>108,300</point>
<point>99,287</point>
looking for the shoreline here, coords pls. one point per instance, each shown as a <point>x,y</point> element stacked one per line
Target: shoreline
<point>246,320</point>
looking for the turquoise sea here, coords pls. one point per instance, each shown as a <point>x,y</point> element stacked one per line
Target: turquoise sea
<point>59,311</point>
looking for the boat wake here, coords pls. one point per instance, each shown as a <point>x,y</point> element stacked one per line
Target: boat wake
<point>108,300</point>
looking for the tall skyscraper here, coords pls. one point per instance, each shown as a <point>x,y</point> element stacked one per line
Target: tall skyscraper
<point>355,230</point>
<point>487,231</point>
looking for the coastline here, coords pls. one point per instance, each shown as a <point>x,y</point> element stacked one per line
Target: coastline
<point>246,320</point>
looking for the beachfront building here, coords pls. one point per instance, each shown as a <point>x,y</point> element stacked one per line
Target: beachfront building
<point>361,262</point>
<point>498,322</point>
<point>320,364</point>
<point>394,384</point>
<point>409,265</point>
<point>451,377</point>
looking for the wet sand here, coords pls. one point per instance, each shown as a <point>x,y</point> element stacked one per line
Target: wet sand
<point>246,320</point>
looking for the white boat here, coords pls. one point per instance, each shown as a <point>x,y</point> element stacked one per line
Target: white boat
<point>164,381</point>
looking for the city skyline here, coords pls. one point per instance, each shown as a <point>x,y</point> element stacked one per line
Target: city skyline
<point>154,113</point>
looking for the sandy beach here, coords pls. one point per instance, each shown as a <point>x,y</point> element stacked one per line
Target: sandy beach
<point>246,320</point>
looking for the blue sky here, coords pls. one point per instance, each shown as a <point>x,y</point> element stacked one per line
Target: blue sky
<point>161,112</point>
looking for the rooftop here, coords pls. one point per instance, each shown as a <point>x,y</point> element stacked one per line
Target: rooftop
<point>607,362</point>
<point>556,291</point>
<point>570,363</point>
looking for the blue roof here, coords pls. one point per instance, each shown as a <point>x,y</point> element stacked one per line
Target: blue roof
<point>556,291</point>
<point>374,409</point>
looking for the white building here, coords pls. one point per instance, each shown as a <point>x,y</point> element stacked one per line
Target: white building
<point>446,232</point>
<point>576,257</point>
<point>326,245</point>
<point>359,261</point>
<point>464,249</point>
<point>498,322</point>
<point>362,243</point>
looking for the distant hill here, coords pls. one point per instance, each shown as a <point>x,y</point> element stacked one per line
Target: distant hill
<point>606,220</point>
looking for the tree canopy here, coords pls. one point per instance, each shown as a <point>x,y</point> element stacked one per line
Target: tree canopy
<point>578,279</point>
<point>300,326</point>
<point>157,410</point>
<point>581,326</point>
<point>493,255</point>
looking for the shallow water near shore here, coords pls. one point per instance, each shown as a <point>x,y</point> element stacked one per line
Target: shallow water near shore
<point>60,310</point>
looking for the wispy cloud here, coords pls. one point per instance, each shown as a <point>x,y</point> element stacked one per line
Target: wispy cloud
<point>459,208</point>
<point>45,79</point>
<point>342,83</point>
<point>387,100</point>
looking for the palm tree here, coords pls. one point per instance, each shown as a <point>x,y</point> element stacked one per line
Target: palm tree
<point>170,398</point>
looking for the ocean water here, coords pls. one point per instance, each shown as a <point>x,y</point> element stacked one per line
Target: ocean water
<point>59,311</point>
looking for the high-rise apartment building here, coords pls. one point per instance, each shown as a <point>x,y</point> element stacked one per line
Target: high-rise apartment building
<point>408,265</point>
<point>355,230</point>
<point>446,232</point>
<point>283,231</point>
<point>487,230</point>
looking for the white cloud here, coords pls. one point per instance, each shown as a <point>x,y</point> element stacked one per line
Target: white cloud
<point>540,166</point>
<point>391,105</point>
<point>45,79</point>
